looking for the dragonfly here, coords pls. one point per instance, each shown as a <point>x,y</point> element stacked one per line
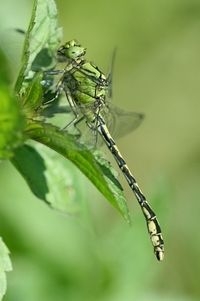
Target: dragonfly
<point>87,90</point>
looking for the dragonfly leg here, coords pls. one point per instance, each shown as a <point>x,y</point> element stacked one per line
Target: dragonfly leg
<point>60,83</point>
<point>54,72</point>
<point>59,90</point>
<point>74,122</point>
<point>73,107</point>
<point>93,125</point>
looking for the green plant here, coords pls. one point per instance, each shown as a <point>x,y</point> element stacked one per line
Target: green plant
<point>22,126</point>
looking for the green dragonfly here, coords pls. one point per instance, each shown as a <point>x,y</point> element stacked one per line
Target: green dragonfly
<point>87,89</point>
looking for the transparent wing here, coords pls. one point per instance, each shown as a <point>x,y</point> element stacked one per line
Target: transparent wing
<point>111,72</point>
<point>121,122</point>
<point>118,121</point>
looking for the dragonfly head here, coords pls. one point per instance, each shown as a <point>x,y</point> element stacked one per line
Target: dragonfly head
<point>70,50</point>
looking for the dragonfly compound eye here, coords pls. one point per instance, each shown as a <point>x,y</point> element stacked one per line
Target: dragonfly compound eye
<point>71,50</point>
<point>76,52</point>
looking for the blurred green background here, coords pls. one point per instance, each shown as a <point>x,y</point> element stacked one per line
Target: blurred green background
<point>96,256</point>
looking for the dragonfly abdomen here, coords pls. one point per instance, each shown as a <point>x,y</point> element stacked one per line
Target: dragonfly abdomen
<point>150,217</point>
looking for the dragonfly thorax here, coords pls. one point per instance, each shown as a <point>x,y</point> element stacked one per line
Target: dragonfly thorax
<point>84,89</point>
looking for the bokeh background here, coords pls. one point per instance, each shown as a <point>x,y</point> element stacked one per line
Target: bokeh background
<point>96,256</point>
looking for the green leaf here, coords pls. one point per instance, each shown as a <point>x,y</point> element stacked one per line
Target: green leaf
<point>11,120</point>
<point>5,266</point>
<point>11,123</point>
<point>32,167</point>
<point>41,42</point>
<point>66,191</point>
<point>4,71</point>
<point>49,176</point>
<point>94,166</point>
<point>32,100</point>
